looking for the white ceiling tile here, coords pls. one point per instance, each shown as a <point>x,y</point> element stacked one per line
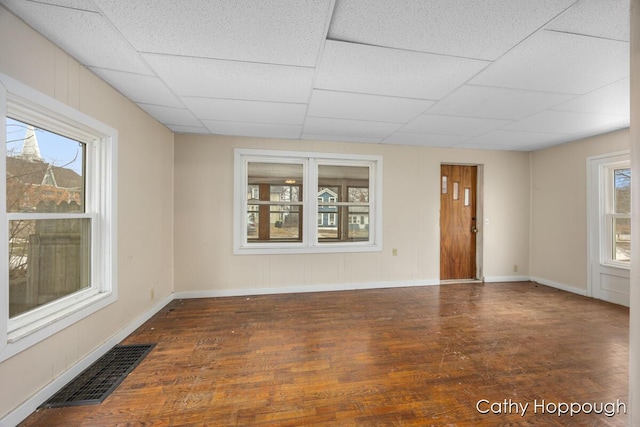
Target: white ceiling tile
<point>340,138</point>
<point>496,103</point>
<point>85,35</point>
<point>471,146</point>
<point>351,128</point>
<point>526,148</point>
<point>558,62</point>
<point>172,116</point>
<point>271,31</point>
<point>513,139</point>
<point>263,130</point>
<point>248,68</point>
<point>612,99</point>
<point>473,29</point>
<point>189,129</point>
<point>234,110</point>
<point>568,122</point>
<point>234,80</point>
<point>357,106</point>
<point>350,67</point>
<point>73,4</point>
<point>424,139</point>
<point>450,125</point>
<point>139,87</point>
<point>599,18</point>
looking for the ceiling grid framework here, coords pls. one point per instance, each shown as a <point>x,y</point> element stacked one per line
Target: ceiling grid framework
<point>484,74</point>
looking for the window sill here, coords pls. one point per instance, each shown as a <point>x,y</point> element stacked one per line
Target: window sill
<point>53,318</point>
<point>26,336</point>
<point>267,249</point>
<point>619,266</point>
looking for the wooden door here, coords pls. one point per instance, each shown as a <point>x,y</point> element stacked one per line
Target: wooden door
<point>458,226</point>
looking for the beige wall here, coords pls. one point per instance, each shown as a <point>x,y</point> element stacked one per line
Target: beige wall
<point>411,177</point>
<point>145,206</point>
<point>559,207</point>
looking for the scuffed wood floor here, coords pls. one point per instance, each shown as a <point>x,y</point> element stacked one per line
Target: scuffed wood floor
<point>387,357</point>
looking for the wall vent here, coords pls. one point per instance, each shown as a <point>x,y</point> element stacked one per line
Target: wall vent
<point>95,384</point>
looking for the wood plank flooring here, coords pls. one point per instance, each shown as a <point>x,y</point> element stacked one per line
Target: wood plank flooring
<point>421,356</point>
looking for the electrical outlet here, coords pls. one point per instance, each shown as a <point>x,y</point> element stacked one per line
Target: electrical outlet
<point>153,294</point>
<point>515,268</point>
<point>394,252</point>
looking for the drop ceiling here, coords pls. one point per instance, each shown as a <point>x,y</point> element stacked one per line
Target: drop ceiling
<point>486,74</point>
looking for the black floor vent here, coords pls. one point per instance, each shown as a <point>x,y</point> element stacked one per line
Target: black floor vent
<point>97,382</point>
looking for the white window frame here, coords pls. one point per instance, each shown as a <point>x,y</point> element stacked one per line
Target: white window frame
<point>607,215</point>
<point>23,103</point>
<point>310,242</point>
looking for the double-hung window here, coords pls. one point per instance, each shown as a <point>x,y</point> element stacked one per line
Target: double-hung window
<point>57,238</point>
<point>616,217</point>
<point>294,202</point>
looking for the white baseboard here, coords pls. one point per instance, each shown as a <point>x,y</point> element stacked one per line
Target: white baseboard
<point>545,282</point>
<point>560,286</point>
<point>301,289</point>
<point>502,279</point>
<point>28,407</point>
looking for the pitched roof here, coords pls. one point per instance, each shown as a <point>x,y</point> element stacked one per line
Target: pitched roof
<point>66,178</point>
<point>34,173</point>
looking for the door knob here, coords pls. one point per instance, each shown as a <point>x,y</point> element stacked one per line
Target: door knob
<point>474,229</point>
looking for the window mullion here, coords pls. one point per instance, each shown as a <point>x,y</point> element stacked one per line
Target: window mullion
<point>310,191</point>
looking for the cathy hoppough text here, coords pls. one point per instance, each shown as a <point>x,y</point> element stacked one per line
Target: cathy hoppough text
<point>509,406</point>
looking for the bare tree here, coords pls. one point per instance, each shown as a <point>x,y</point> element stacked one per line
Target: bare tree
<point>622,182</point>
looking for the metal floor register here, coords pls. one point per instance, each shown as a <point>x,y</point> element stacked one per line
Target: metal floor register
<point>96,383</point>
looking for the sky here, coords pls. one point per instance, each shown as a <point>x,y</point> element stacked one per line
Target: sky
<point>54,149</point>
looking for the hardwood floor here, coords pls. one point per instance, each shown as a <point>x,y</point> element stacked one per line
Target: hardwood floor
<point>425,356</point>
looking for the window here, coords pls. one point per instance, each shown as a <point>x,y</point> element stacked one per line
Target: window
<point>49,226</point>
<point>280,195</point>
<point>58,238</point>
<point>616,228</point>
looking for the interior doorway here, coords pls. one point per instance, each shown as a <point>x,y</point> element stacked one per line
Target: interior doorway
<point>459,222</point>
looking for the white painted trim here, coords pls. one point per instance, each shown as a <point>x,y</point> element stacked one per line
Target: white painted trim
<point>503,279</point>
<point>361,286</point>
<point>560,286</point>
<point>303,289</point>
<point>28,407</point>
